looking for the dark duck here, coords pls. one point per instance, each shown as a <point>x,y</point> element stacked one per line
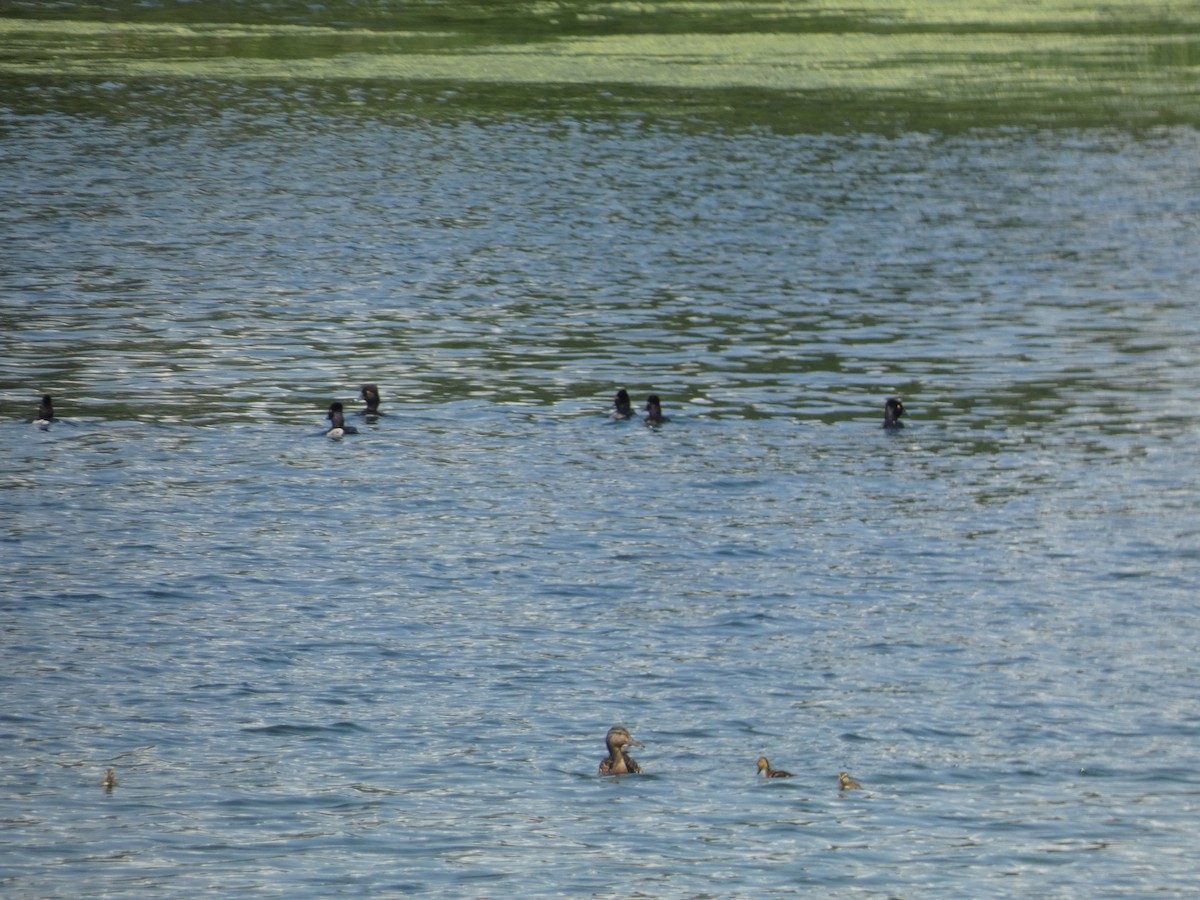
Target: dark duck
<point>622,407</point>
<point>337,422</point>
<point>370,396</point>
<point>654,413</point>
<point>45,412</point>
<point>766,771</point>
<point>618,762</point>
<point>893,409</point>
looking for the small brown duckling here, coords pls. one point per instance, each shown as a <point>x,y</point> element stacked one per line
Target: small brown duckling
<point>110,780</point>
<point>893,409</point>
<point>846,783</point>
<point>618,762</point>
<point>765,769</point>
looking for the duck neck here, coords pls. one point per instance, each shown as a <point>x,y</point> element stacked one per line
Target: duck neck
<point>617,755</point>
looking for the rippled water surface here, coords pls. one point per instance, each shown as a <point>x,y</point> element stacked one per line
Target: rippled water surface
<point>386,664</point>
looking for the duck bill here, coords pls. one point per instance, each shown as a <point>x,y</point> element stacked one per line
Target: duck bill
<point>638,744</point>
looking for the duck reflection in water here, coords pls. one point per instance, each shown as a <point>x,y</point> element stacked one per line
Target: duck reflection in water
<point>618,762</point>
<point>765,769</point>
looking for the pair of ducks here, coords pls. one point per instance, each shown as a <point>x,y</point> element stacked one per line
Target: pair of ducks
<point>893,409</point>
<point>623,408</point>
<point>845,782</point>
<point>619,762</point>
<point>337,413</point>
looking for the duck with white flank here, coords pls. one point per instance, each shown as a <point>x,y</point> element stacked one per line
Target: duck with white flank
<point>337,422</point>
<point>45,412</point>
<point>622,407</point>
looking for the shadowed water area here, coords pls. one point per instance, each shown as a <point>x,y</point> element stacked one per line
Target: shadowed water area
<point>386,664</point>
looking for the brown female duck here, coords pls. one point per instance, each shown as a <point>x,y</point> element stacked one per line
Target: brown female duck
<point>370,396</point>
<point>618,762</point>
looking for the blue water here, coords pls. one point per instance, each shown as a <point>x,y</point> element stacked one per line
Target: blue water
<point>386,664</point>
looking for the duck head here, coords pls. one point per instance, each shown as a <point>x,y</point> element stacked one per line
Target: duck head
<point>618,739</point>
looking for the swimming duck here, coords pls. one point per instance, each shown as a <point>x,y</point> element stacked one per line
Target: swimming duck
<point>893,409</point>
<point>45,412</point>
<point>110,780</point>
<point>846,783</point>
<point>764,767</point>
<point>654,413</point>
<point>370,396</point>
<point>618,762</point>
<point>337,422</point>
<point>622,407</point>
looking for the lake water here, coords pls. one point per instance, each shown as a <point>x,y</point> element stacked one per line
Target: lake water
<point>386,664</point>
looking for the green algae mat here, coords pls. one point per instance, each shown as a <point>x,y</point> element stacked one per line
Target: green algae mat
<point>784,64</point>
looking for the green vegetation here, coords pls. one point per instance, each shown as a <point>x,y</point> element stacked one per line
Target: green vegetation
<point>975,63</point>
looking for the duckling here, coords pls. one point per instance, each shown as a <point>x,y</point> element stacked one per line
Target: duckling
<point>370,396</point>
<point>893,409</point>
<point>45,412</point>
<point>765,769</point>
<point>618,762</point>
<point>654,413</point>
<point>110,780</point>
<point>622,407</point>
<point>337,422</point>
<point>846,783</point>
